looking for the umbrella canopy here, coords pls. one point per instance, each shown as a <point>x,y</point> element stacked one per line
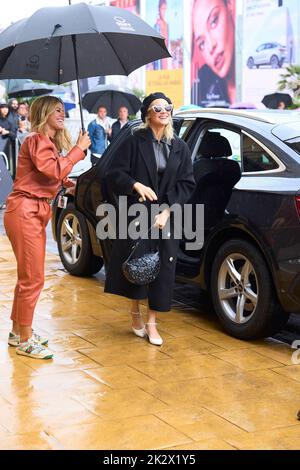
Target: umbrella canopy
<point>112,97</point>
<point>272,101</point>
<point>29,89</point>
<point>60,44</point>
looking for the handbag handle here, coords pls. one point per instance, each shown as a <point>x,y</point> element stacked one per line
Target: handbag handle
<point>137,244</point>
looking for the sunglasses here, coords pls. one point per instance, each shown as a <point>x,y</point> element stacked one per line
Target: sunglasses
<point>168,108</point>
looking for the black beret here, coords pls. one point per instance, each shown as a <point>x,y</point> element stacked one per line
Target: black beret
<point>149,99</point>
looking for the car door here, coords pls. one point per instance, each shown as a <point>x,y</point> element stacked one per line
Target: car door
<point>259,56</point>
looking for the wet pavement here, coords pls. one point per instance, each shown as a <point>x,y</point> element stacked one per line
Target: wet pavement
<point>107,389</point>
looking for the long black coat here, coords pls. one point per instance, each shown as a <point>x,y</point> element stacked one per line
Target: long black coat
<point>136,162</point>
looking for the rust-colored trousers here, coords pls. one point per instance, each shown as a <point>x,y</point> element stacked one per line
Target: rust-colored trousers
<point>25,223</point>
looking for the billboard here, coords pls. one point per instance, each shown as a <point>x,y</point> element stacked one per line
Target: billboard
<point>270,31</point>
<point>166,75</point>
<point>213,79</point>
<point>135,80</point>
<point>131,5</point>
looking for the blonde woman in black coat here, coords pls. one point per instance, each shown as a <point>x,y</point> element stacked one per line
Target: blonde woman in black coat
<point>154,167</point>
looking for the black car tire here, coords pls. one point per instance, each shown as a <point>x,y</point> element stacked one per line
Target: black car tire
<point>250,63</point>
<point>265,316</point>
<point>84,262</point>
<point>274,62</point>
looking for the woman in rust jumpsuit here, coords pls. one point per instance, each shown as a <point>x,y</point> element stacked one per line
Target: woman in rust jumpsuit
<point>41,171</point>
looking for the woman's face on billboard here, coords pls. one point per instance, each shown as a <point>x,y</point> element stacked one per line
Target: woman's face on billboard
<point>214,34</point>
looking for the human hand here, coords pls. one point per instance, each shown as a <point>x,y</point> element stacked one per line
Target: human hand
<point>162,219</point>
<point>145,192</point>
<point>71,191</point>
<point>83,140</point>
<point>4,131</point>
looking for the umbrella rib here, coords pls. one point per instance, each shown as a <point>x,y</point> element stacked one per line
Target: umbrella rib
<point>59,59</point>
<point>123,66</point>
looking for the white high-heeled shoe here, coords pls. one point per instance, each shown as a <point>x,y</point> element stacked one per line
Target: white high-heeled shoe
<point>141,333</point>
<point>155,341</point>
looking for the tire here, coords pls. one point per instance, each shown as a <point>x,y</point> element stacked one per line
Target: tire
<point>75,248</point>
<point>250,63</point>
<point>237,263</point>
<point>274,62</point>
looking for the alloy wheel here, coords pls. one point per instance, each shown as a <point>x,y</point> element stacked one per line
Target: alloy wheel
<point>71,238</point>
<point>238,288</point>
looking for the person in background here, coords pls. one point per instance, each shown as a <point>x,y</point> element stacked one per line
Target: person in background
<point>100,131</point>
<point>13,113</point>
<point>41,172</point>
<point>24,124</point>
<point>7,127</point>
<point>120,123</point>
<point>281,105</point>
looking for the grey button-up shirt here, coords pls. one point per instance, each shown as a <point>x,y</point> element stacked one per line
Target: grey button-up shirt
<point>161,151</point>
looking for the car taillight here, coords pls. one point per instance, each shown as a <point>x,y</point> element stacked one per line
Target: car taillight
<point>297,198</point>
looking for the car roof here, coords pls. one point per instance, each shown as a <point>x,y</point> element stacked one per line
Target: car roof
<point>276,119</point>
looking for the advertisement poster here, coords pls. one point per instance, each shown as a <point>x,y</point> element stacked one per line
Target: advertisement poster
<point>213,80</point>
<point>166,75</point>
<point>270,30</point>
<point>135,81</point>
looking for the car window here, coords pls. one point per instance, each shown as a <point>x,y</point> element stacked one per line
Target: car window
<point>185,128</point>
<point>255,157</point>
<point>234,140</point>
<point>294,144</point>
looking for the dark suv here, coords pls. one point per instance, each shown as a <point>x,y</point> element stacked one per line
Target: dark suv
<point>250,261</point>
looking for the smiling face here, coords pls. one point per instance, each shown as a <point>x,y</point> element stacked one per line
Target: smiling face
<point>55,121</point>
<point>214,34</point>
<point>159,119</point>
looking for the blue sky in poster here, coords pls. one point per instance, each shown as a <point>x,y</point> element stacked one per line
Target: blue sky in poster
<point>174,16</point>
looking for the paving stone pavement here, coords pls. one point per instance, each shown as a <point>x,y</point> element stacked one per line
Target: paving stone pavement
<point>107,389</point>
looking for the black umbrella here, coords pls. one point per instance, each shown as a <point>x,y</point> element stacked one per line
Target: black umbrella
<point>112,97</point>
<point>59,44</point>
<point>272,101</point>
<point>29,89</point>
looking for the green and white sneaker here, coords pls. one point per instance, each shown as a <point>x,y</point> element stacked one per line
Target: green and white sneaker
<point>33,349</point>
<point>14,340</point>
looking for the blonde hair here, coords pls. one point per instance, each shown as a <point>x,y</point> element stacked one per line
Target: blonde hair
<point>40,110</point>
<point>168,131</point>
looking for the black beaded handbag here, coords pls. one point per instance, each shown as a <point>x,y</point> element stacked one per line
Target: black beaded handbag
<point>141,270</point>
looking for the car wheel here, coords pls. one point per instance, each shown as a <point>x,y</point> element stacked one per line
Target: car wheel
<point>74,244</point>
<point>274,62</point>
<point>250,63</point>
<point>242,292</point>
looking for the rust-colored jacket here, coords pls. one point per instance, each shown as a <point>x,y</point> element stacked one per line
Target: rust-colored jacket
<point>41,171</point>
